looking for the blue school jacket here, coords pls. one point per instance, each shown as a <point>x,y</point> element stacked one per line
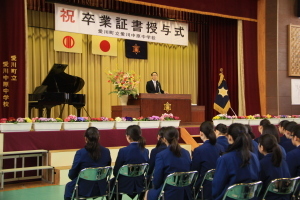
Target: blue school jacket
<point>132,154</point>
<point>269,172</point>
<point>153,154</point>
<point>83,160</point>
<point>166,163</point>
<point>286,144</point>
<point>222,140</point>
<point>293,161</point>
<point>229,172</point>
<point>205,158</point>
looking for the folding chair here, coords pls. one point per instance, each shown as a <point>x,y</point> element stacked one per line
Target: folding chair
<point>281,186</point>
<point>296,193</point>
<point>130,170</point>
<point>209,176</point>
<point>93,174</point>
<point>243,191</point>
<point>179,179</point>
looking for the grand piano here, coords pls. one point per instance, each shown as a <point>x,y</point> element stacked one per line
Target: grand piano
<point>58,88</point>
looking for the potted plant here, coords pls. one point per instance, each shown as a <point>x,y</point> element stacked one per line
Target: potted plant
<point>124,122</point>
<point>47,124</point>
<point>149,122</point>
<point>102,123</point>
<point>76,123</point>
<point>222,119</point>
<point>240,119</point>
<point>125,84</point>
<point>16,125</point>
<point>168,119</point>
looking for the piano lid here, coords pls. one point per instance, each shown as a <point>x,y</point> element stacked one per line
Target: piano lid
<point>58,81</point>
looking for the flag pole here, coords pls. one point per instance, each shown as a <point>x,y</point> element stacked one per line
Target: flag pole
<point>233,111</point>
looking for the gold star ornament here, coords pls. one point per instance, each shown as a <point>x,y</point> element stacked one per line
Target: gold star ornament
<point>223,92</point>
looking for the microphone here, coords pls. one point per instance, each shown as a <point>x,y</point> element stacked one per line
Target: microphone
<point>157,83</point>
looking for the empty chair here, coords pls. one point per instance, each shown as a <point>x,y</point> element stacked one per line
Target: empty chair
<point>93,174</point>
<point>179,179</point>
<point>131,171</point>
<point>281,186</point>
<point>209,176</point>
<point>243,191</point>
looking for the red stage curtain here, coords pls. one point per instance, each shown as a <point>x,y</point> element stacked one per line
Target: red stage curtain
<point>12,43</point>
<point>217,49</point>
<point>251,68</point>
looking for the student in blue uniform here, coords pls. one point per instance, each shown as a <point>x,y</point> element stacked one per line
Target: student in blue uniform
<point>285,140</point>
<point>293,156</point>
<point>160,146</point>
<point>237,165</point>
<point>134,153</point>
<point>272,165</point>
<point>262,123</point>
<point>172,159</point>
<point>221,132</point>
<point>205,156</point>
<point>272,130</point>
<point>254,146</point>
<point>92,155</point>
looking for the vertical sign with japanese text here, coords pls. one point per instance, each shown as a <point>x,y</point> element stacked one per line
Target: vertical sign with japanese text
<point>109,24</point>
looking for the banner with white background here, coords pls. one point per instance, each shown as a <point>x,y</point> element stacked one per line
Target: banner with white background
<point>97,22</point>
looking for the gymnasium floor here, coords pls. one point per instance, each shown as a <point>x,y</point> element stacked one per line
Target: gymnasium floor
<point>36,190</point>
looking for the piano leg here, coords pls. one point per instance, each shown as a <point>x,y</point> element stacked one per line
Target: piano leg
<point>78,108</point>
<point>48,109</point>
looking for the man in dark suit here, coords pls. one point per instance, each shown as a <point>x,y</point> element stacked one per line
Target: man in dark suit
<point>153,86</point>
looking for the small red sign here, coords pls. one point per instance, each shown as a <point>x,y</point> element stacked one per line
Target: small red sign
<point>68,42</point>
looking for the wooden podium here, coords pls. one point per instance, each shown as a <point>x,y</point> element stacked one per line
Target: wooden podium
<point>156,104</point>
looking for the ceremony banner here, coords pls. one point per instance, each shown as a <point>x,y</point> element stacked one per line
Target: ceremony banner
<point>67,42</point>
<point>97,22</point>
<point>104,46</point>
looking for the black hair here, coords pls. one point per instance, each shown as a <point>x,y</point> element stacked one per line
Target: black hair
<point>135,134</point>
<point>171,134</point>
<point>241,142</point>
<point>153,73</point>
<point>296,132</point>
<point>207,128</point>
<point>250,136</point>
<point>272,130</point>
<point>160,134</point>
<point>290,126</point>
<point>92,145</point>
<point>264,122</point>
<point>270,145</point>
<point>283,123</point>
<point>222,128</point>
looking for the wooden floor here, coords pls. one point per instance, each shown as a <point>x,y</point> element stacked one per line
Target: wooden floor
<point>24,185</point>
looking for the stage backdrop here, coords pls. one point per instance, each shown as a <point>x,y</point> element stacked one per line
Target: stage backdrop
<point>12,57</point>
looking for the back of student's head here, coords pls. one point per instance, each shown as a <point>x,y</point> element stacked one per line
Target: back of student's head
<point>264,122</point>
<point>249,131</point>
<point>272,130</point>
<point>160,135</point>
<point>92,142</point>
<point>283,123</point>
<point>296,131</point>
<point>207,128</point>
<point>240,142</point>
<point>290,126</point>
<point>171,134</point>
<point>135,134</point>
<point>270,145</point>
<point>222,128</point>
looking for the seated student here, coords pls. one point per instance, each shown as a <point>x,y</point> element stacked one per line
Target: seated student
<point>134,153</point>
<point>221,131</point>
<point>92,155</point>
<point>285,140</point>
<point>254,147</point>
<point>293,157</point>
<point>272,165</point>
<point>173,159</point>
<point>205,156</point>
<point>272,130</point>
<point>237,165</point>
<point>160,146</point>
<point>262,123</point>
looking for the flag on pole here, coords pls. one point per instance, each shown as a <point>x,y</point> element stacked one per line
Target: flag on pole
<point>222,101</point>
<point>136,49</point>
<point>104,45</point>
<point>68,42</point>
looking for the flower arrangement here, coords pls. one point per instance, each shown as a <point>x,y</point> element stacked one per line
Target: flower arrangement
<point>294,116</point>
<point>101,119</point>
<point>222,116</point>
<point>125,82</point>
<point>73,118</point>
<point>15,121</point>
<point>42,119</point>
<point>123,119</point>
<point>168,117</point>
<point>153,118</point>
